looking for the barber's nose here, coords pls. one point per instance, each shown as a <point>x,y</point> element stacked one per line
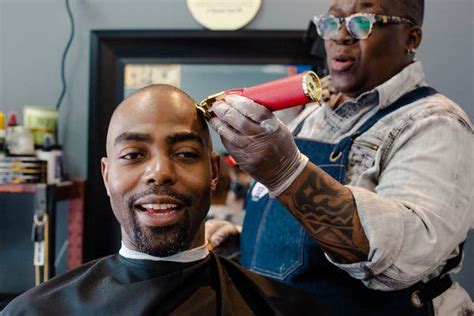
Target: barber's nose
<point>343,37</point>
<point>160,171</point>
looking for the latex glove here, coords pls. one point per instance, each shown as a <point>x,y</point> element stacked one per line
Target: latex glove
<point>217,231</point>
<point>258,141</point>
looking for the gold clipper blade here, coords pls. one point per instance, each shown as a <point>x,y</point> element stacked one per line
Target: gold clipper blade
<point>205,105</point>
<point>312,86</point>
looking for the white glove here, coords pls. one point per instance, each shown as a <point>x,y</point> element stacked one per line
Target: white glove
<point>259,142</point>
<point>217,231</point>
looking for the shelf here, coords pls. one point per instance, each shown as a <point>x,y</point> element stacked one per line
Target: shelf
<point>73,192</point>
<point>64,190</point>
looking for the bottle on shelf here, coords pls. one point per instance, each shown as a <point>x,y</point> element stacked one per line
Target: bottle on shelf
<point>52,154</point>
<point>3,134</point>
<point>19,139</point>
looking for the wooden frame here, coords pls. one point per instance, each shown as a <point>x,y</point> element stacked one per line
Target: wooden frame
<point>112,50</point>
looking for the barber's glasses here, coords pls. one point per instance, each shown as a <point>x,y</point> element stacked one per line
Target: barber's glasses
<point>358,25</point>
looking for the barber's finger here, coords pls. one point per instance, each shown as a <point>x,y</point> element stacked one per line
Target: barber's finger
<point>326,85</point>
<point>223,233</point>
<point>325,95</point>
<point>325,82</point>
<point>215,241</point>
<point>235,119</point>
<point>218,237</point>
<point>210,229</point>
<point>249,108</point>
<point>213,225</point>
<point>228,133</point>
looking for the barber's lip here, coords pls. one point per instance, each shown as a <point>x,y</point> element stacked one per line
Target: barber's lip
<point>159,211</point>
<point>341,63</point>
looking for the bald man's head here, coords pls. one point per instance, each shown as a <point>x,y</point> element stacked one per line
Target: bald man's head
<point>156,98</point>
<point>160,170</point>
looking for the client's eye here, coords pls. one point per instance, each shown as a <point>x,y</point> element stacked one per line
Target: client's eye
<point>187,154</point>
<point>132,156</point>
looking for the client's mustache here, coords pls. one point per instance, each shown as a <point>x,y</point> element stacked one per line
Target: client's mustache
<point>159,190</point>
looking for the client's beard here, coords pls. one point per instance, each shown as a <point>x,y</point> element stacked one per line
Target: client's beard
<point>162,241</point>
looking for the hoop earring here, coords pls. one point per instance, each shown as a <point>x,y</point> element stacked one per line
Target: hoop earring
<point>410,51</point>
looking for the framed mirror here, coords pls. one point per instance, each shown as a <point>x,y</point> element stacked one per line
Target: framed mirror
<point>199,62</point>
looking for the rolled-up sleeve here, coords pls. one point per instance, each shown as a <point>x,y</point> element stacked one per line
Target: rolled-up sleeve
<point>421,207</point>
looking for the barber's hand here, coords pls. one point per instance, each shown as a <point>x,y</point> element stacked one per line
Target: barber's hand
<point>258,141</point>
<point>329,94</point>
<point>217,231</point>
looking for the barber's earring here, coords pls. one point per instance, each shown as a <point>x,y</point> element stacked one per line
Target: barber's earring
<point>410,51</point>
<point>213,184</point>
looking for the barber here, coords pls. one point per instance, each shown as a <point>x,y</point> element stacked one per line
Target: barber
<point>365,201</point>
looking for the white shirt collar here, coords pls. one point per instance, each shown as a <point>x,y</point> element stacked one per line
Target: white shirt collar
<point>190,255</point>
<point>409,78</point>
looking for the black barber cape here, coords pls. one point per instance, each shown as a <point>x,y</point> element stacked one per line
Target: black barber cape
<point>115,285</point>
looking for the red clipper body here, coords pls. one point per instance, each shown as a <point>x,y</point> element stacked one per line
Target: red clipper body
<point>275,95</point>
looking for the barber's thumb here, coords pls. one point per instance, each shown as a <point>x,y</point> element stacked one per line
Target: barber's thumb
<point>224,233</point>
<point>213,226</point>
<point>220,235</point>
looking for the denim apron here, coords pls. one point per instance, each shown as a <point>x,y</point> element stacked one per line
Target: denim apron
<point>275,244</point>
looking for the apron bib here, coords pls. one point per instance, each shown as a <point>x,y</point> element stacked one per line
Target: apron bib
<point>275,244</point>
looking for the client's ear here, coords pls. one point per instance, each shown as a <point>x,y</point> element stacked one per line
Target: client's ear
<point>105,173</point>
<point>215,169</point>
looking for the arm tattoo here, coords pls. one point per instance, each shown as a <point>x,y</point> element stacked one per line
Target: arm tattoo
<point>328,212</point>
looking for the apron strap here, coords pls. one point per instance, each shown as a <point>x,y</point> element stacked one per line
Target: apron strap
<point>425,292</point>
<point>410,97</point>
<point>453,262</point>
<point>299,127</point>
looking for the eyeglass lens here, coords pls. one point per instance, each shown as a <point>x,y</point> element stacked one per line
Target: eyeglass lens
<point>358,26</point>
<point>328,27</point>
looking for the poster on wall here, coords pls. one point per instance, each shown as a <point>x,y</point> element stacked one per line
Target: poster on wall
<point>137,76</point>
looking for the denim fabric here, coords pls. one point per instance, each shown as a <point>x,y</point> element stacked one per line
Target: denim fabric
<point>276,245</point>
<point>412,176</point>
<point>268,223</point>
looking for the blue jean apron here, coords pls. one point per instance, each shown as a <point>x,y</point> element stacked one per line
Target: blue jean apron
<point>275,244</point>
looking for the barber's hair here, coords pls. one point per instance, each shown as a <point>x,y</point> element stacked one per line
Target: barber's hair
<point>413,9</point>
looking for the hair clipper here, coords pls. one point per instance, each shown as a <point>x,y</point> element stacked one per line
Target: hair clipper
<point>275,95</point>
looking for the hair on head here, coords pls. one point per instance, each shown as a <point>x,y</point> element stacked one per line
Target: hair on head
<point>412,9</point>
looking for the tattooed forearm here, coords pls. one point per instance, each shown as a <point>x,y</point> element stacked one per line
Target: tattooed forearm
<point>327,210</point>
